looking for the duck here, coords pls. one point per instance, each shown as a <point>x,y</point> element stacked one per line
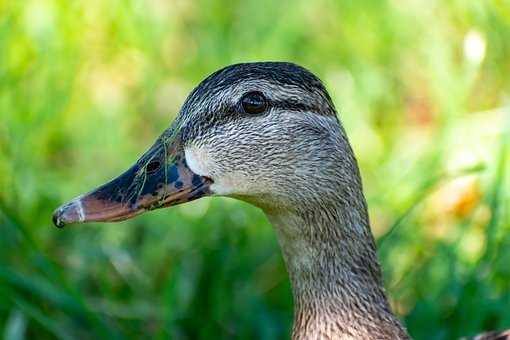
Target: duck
<point>269,134</point>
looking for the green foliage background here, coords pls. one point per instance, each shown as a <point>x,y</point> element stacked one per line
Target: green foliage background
<point>86,86</point>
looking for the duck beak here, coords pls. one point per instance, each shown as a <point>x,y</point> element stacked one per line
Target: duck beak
<point>160,178</point>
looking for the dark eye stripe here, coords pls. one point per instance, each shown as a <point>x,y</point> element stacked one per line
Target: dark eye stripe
<point>226,112</point>
<point>288,105</point>
<point>292,105</point>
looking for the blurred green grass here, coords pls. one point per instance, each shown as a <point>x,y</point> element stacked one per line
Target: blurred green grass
<point>85,87</point>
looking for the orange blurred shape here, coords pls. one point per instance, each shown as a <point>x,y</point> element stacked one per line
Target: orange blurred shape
<point>457,197</point>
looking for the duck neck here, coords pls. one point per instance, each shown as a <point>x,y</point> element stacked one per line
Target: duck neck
<point>335,275</point>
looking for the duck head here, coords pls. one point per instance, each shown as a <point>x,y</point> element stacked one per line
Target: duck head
<point>266,133</point>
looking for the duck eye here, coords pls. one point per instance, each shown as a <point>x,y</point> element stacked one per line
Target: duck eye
<point>254,102</point>
<point>153,166</point>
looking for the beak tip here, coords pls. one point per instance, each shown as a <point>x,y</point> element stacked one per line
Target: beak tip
<point>62,216</point>
<point>67,213</point>
<point>57,221</point>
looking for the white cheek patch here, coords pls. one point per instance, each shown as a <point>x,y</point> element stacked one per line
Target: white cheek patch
<point>201,162</point>
<point>198,161</point>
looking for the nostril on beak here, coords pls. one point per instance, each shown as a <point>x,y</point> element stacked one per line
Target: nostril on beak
<point>153,166</point>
